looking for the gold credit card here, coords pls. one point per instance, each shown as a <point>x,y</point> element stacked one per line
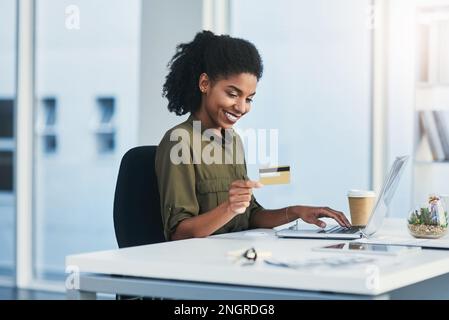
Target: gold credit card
<point>275,175</point>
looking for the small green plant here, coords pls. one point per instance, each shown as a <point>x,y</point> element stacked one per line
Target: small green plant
<point>424,216</point>
<point>447,221</point>
<point>414,218</point>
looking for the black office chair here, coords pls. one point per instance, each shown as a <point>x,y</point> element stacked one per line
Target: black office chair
<point>137,214</point>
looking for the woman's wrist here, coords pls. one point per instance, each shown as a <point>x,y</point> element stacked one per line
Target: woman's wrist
<point>227,208</point>
<point>294,212</point>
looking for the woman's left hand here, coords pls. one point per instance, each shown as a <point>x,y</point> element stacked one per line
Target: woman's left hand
<point>312,215</point>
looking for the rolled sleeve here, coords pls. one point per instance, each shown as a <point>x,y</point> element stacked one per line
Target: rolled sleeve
<point>176,184</point>
<point>254,206</point>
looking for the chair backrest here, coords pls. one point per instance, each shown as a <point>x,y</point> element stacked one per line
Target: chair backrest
<point>137,214</point>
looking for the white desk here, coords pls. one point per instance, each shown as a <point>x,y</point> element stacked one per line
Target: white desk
<point>201,269</point>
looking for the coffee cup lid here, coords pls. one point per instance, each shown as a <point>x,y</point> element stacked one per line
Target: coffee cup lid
<point>361,193</point>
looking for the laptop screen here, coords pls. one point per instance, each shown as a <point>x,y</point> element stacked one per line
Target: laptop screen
<point>383,201</point>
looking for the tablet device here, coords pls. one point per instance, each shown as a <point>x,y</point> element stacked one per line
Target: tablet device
<point>369,248</point>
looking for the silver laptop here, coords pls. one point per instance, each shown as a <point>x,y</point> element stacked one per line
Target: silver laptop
<point>376,219</point>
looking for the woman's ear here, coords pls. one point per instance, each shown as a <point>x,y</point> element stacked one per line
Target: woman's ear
<point>204,83</point>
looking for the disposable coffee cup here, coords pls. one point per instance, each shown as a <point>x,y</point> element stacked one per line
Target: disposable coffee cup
<point>361,203</point>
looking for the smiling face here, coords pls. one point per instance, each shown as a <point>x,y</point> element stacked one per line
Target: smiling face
<point>225,100</point>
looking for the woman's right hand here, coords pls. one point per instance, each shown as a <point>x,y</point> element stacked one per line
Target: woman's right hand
<point>240,193</point>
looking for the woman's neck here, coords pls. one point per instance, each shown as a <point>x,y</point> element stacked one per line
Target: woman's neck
<point>206,121</point>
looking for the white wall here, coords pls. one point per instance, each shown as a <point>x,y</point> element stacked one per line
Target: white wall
<point>165,23</point>
<point>400,96</point>
<point>74,188</point>
<point>316,90</point>
<point>7,47</point>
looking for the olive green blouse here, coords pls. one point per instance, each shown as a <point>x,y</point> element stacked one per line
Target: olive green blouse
<point>193,187</point>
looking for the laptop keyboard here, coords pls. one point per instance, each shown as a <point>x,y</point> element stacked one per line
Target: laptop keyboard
<point>343,230</point>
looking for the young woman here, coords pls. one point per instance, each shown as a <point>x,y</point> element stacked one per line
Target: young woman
<point>214,79</point>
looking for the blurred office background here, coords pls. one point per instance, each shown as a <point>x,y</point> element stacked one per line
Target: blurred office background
<point>339,85</point>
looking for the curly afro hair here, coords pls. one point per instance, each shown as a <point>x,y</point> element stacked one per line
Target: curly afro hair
<point>217,56</point>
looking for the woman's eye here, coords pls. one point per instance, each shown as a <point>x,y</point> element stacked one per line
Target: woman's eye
<point>249,100</point>
<point>232,95</point>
